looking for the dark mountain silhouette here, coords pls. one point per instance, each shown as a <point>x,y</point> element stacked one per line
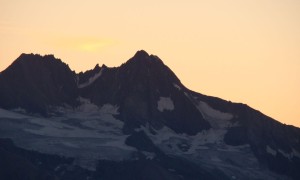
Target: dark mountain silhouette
<point>210,138</point>
<point>136,86</point>
<point>36,83</point>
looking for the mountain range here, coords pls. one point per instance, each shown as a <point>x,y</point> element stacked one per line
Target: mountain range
<point>135,121</point>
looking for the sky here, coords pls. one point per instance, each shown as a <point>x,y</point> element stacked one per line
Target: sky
<point>240,50</point>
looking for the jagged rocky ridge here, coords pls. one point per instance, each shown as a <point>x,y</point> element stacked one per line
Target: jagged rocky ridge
<point>141,117</point>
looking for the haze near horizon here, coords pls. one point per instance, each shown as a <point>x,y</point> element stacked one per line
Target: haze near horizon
<point>244,51</point>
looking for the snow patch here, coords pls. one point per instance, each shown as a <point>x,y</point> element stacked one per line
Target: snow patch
<point>177,86</point>
<point>165,103</point>
<point>86,106</point>
<point>187,95</point>
<point>287,155</point>
<point>271,151</point>
<point>120,144</point>
<point>109,109</point>
<point>96,122</point>
<point>149,155</point>
<point>206,148</point>
<point>209,112</point>
<point>210,136</point>
<point>217,119</point>
<point>19,110</point>
<point>12,115</point>
<point>57,129</point>
<point>296,153</point>
<point>91,79</point>
<point>164,134</point>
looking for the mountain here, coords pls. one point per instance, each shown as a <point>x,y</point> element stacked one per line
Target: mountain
<point>35,83</point>
<point>135,121</point>
<point>136,87</point>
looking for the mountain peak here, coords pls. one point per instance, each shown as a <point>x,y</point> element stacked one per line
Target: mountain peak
<point>36,60</point>
<point>31,55</point>
<point>143,59</point>
<point>97,66</point>
<point>37,81</point>
<point>141,54</point>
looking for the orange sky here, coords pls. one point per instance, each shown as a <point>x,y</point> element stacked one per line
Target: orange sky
<point>240,50</point>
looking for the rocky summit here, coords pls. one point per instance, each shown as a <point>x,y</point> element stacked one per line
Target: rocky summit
<point>135,121</point>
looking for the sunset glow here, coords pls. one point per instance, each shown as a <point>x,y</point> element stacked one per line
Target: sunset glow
<point>240,50</point>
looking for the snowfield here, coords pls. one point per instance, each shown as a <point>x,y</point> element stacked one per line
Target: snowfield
<point>86,129</point>
<point>90,133</point>
<point>165,104</point>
